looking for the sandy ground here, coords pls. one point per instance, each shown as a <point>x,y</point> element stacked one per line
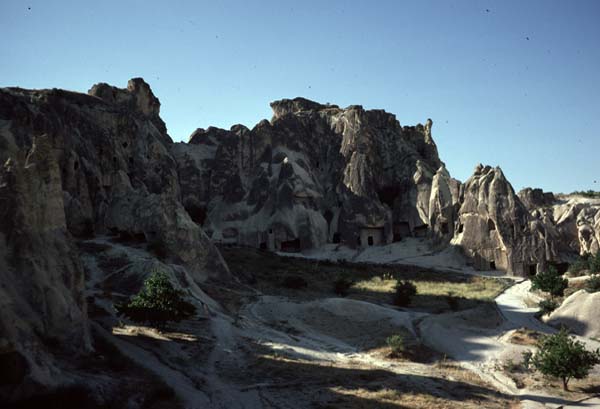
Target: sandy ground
<point>329,333</point>
<point>409,251</point>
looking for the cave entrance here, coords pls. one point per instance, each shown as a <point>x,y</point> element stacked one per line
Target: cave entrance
<point>491,225</point>
<point>370,240</point>
<point>560,267</point>
<point>388,194</point>
<point>421,231</point>
<point>532,269</point>
<point>197,213</point>
<point>401,230</point>
<point>492,265</point>
<point>444,228</point>
<point>291,246</point>
<point>336,238</point>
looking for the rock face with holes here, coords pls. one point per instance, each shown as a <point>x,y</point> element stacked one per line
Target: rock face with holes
<point>495,229</point>
<point>116,172</point>
<point>573,221</point>
<point>316,174</point>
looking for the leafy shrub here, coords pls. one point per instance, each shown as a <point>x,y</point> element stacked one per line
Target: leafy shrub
<point>396,344</point>
<point>342,285</point>
<point>294,282</point>
<point>404,291</point>
<point>563,357</point>
<point>452,301</point>
<point>595,263</point>
<point>547,306</point>
<point>592,285</point>
<point>579,267</point>
<point>550,281</point>
<point>157,302</point>
<point>587,193</point>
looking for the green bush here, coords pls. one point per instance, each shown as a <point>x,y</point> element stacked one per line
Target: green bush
<point>595,263</point>
<point>342,285</point>
<point>592,285</point>
<point>547,306</point>
<point>580,266</point>
<point>563,357</point>
<point>550,281</point>
<point>157,302</point>
<point>396,344</point>
<point>404,291</point>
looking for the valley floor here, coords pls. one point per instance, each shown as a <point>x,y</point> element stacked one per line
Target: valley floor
<point>282,338</point>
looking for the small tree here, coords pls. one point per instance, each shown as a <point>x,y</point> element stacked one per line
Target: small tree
<point>342,285</point>
<point>592,285</point>
<point>580,265</point>
<point>404,292</point>
<point>396,344</point>
<point>563,357</point>
<point>547,306</point>
<point>550,281</point>
<point>157,302</point>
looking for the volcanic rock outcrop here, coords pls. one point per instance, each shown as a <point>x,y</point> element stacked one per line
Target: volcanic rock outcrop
<point>315,174</point>
<point>42,302</point>
<point>495,228</point>
<point>77,166</point>
<point>573,220</point>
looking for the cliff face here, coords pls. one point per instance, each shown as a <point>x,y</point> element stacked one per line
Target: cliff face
<point>573,221</point>
<point>116,172</point>
<point>496,230</point>
<point>75,166</point>
<point>41,276</point>
<point>313,174</point>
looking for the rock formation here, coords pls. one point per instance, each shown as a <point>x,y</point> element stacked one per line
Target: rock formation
<point>496,230</point>
<point>573,221</point>
<point>101,166</point>
<point>41,277</point>
<point>315,174</point>
<point>77,166</point>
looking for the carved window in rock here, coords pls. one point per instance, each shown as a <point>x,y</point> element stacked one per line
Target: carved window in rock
<point>370,240</point>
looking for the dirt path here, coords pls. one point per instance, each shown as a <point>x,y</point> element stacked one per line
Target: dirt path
<point>484,351</point>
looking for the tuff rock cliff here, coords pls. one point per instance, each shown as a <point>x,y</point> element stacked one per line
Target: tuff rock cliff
<point>74,167</point>
<point>573,221</point>
<point>316,174</point>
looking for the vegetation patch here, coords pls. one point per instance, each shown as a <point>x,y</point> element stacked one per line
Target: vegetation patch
<point>157,302</point>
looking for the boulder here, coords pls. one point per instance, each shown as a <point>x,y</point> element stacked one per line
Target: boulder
<point>579,313</point>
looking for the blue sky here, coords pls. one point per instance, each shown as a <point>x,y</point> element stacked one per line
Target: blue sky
<point>508,83</point>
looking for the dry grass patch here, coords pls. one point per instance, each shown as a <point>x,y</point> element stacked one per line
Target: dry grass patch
<point>524,336</point>
<point>355,384</point>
